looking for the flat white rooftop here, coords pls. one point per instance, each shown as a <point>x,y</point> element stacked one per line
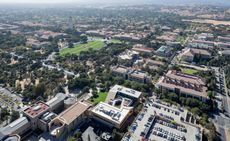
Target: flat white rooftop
<point>111,113</point>
<point>125,91</point>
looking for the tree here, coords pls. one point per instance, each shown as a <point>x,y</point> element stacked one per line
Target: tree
<point>211,94</point>
<point>14,115</point>
<point>71,45</point>
<point>39,90</point>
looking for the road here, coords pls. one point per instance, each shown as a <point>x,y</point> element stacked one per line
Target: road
<point>221,121</point>
<point>50,58</point>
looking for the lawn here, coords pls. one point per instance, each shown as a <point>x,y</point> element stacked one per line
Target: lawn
<point>82,47</point>
<point>189,71</point>
<point>101,98</point>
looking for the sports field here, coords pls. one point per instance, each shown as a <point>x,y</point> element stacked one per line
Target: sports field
<point>82,47</point>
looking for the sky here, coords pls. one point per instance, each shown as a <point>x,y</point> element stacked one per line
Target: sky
<point>223,2</point>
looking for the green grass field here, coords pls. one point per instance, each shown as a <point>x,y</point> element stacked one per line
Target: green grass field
<point>82,47</point>
<point>189,71</point>
<point>101,98</point>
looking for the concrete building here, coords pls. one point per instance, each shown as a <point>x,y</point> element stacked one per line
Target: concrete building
<point>56,104</point>
<point>39,116</point>
<point>111,115</point>
<point>223,39</point>
<point>183,84</point>
<point>188,54</point>
<point>208,43</point>
<point>153,64</point>
<point>35,112</point>
<point>223,45</point>
<point>121,91</point>
<point>142,49</point>
<point>14,130</point>
<point>139,76</point>
<point>68,120</point>
<point>164,51</point>
<point>131,74</point>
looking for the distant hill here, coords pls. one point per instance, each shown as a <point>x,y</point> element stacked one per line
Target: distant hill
<point>164,2</point>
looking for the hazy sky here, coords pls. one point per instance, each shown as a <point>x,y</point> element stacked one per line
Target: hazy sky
<point>225,2</point>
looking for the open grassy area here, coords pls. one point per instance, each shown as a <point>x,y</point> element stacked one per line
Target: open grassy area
<point>101,98</point>
<point>82,47</point>
<point>189,71</point>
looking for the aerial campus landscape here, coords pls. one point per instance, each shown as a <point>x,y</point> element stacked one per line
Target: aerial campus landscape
<point>113,70</point>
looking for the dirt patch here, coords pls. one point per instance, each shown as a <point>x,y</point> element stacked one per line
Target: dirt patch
<point>227,133</point>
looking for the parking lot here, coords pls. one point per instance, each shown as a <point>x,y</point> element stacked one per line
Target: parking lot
<point>161,122</point>
<point>8,99</point>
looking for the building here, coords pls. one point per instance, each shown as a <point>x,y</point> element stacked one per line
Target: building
<point>19,127</point>
<point>223,45</point>
<point>56,104</point>
<point>224,53</point>
<point>129,55</point>
<point>68,120</point>
<point>110,115</point>
<point>131,74</point>
<point>142,49</point>
<point>70,23</point>
<point>120,71</point>
<point>204,36</point>
<point>164,51</point>
<point>118,91</point>
<point>208,43</point>
<point>188,54</point>
<point>183,84</point>
<point>153,64</point>
<point>223,39</point>
<point>139,76</point>
<point>41,116</point>
<point>35,112</point>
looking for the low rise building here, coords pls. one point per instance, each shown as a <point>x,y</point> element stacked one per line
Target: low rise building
<point>223,39</point>
<point>188,54</point>
<point>118,91</point>
<point>153,64</point>
<point>111,115</point>
<point>131,74</point>
<point>35,112</point>
<point>139,76</point>
<point>56,104</point>
<point>19,127</point>
<point>223,45</point>
<point>68,120</point>
<point>183,84</point>
<point>164,51</point>
<point>208,43</point>
<point>142,49</point>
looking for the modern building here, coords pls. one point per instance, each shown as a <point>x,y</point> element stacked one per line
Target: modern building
<point>153,64</point>
<point>131,74</point>
<point>14,130</point>
<point>223,45</point>
<point>164,51</point>
<point>188,54</point>
<point>183,84</point>
<point>209,43</point>
<point>111,115</point>
<point>223,39</point>
<point>68,120</point>
<point>121,91</point>
<point>142,49</point>
<point>41,116</point>
<point>56,104</point>
<point>35,112</point>
<point>129,55</point>
<point>139,76</point>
